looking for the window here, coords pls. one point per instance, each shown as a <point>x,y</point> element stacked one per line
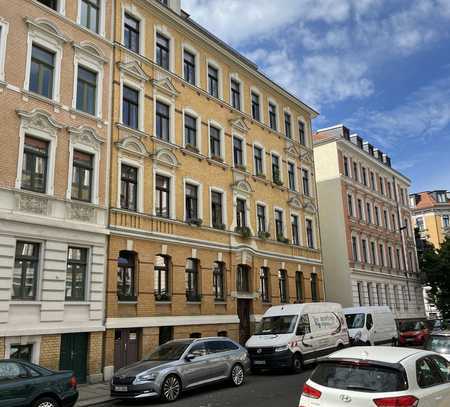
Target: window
<point>53,4</point>
<point>381,254</point>
<point>388,294</point>
<point>355,171</point>
<point>310,233</point>
<point>350,205</point>
<point>276,176</point>
<point>386,222</point>
<point>86,90</point>
<point>389,190</point>
<point>295,231</point>
<point>217,210</point>
<point>235,94</point>
<point>34,165</point>
<point>10,371</point>
<point>369,293</point>
<point>128,189</point>
<point>360,293</point>
<point>165,2</point>
<point>287,125</point>
<point>373,252</point>
<point>314,288</point>
<point>364,250</point>
<point>302,133</point>
<point>162,51</point>
<point>364,175</point>
<point>42,71</point>
<point>191,202</point>
<point>241,215</point>
<point>190,130</point>
<point>282,284</point>
<point>354,248</point>
<point>243,281</point>
<point>272,116</point>
<point>161,275</point>
<point>442,364</point>
<point>82,176</point>
<point>213,81</point>
<point>219,281</point>
<point>372,180</point>
<point>90,14</point>
<point>261,217</point>
<point>189,67</point>
<point>394,228</point>
<point>162,207</point>
<point>291,176</point>
<point>346,170</point>
<point>264,283</point>
<point>26,265</point>
<point>126,276</point>
<point>279,227</point>
<point>21,352</point>
<point>238,152</point>
<point>405,297</point>
<point>369,213</point>
<point>360,209</point>
<point>381,186</point>
<point>420,224</point>
<point>390,260</point>
<point>130,107</point>
<point>131,33</point>
<point>256,107</point>
<point>377,216</point>
<point>305,180</point>
<point>427,374</point>
<point>299,287</point>
<point>192,287</point>
<point>76,274</point>
<point>162,121</point>
<point>258,158</point>
<point>441,197</point>
<point>215,142</point>
<point>446,221</point>
<point>398,259</point>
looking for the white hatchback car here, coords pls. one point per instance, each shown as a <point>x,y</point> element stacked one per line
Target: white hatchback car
<point>379,376</point>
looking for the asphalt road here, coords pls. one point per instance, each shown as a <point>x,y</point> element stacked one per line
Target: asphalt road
<point>264,390</point>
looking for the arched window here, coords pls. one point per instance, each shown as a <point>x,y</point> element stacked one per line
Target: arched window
<point>161,274</point>
<point>242,280</point>
<point>126,276</point>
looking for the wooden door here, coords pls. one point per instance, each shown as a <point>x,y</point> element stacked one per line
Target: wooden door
<point>73,356</point>
<point>126,347</point>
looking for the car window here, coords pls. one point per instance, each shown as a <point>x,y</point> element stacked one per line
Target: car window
<point>215,347</point>
<point>229,345</point>
<point>11,371</point>
<point>369,322</point>
<point>427,375</point>
<point>443,366</point>
<point>198,349</point>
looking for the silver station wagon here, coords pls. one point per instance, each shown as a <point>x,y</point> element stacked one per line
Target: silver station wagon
<point>181,365</point>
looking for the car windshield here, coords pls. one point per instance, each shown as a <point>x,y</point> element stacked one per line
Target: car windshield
<point>364,378</point>
<point>355,321</point>
<point>169,351</point>
<point>277,325</point>
<point>439,344</point>
<point>410,326</point>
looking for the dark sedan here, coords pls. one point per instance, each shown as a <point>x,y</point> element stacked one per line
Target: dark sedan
<point>25,384</point>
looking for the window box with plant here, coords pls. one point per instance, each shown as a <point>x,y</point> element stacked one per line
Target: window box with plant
<point>162,297</point>
<point>241,167</point>
<point>193,297</point>
<point>217,158</point>
<point>194,222</point>
<point>283,239</point>
<point>244,231</point>
<point>192,148</point>
<point>220,226</point>
<point>263,235</point>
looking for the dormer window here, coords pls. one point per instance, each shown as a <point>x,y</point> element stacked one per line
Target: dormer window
<point>53,4</point>
<point>441,197</point>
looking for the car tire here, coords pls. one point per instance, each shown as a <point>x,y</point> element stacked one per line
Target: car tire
<point>46,402</point>
<point>297,363</point>
<point>171,389</point>
<point>237,375</point>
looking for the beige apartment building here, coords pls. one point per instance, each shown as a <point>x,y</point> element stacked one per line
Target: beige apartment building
<point>212,191</point>
<point>55,60</point>
<point>368,244</point>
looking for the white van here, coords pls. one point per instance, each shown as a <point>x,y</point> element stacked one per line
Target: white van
<point>292,335</point>
<point>371,326</point>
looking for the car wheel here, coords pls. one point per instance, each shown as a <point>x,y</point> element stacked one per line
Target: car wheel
<point>297,364</point>
<point>237,375</point>
<point>171,388</point>
<point>46,402</point>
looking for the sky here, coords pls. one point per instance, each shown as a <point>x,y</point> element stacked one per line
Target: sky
<point>380,67</point>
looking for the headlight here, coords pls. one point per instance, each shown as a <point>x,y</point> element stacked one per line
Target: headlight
<point>146,378</point>
<point>281,348</point>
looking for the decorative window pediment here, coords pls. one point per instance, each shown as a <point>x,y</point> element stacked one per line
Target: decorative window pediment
<point>295,202</point>
<point>307,157</point>
<point>243,186</point>
<point>292,150</point>
<point>134,69</point>
<point>166,158</point>
<point>85,135</point>
<point>91,50</point>
<point>133,145</point>
<point>310,208</point>
<point>39,120</point>
<point>46,27</point>
<point>166,86</point>
<point>240,125</point>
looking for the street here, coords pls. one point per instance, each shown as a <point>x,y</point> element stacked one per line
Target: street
<point>265,390</point>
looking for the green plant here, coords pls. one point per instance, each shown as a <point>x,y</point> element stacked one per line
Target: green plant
<point>195,222</point>
<point>244,231</point>
<point>263,235</point>
<point>282,239</point>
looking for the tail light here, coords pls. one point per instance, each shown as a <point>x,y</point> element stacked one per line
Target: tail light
<point>73,383</point>
<point>311,392</point>
<point>402,401</point>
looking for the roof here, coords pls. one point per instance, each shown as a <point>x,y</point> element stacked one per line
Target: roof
<point>295,309</point>
<point>354,310</point>
<point>427,199</point>
<point>386,354</point>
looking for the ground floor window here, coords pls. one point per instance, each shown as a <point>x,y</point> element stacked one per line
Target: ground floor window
<point>21,352</point>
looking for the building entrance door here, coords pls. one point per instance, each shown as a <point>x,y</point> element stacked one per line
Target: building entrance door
<point>74,350</point>
<point>126,347</point>
<point>243,309</point>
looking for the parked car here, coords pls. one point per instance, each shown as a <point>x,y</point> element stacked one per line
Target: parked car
<point>182,365</point>
<point>24,384</point>
<point>371,325</point>
<point>435,324</point>
<point>379,376</point>
<point>439,342</point>
<point>413,333</point>
<point>292,335</point>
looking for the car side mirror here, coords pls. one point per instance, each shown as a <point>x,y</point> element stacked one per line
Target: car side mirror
<point>189,357</point>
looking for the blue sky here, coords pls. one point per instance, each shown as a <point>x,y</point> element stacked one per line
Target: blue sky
<point>381,67</point>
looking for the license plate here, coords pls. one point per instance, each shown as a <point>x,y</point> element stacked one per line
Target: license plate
<point>259,362</point>
<point>409,339</point>
<point>120,388</point>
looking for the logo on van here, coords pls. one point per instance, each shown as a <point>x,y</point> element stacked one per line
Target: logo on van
<point>345,398</point>
<point>259,351</point>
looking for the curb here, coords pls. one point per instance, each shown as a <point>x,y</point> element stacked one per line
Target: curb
<point>94,401</point>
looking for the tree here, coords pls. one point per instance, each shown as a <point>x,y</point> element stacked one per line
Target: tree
<point>435,264</point>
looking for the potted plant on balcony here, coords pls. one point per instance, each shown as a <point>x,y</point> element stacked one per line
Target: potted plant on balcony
<point>220,226</point>
<point>161,297</point>
<point>195,222</point>
<point>282,239</point>
<point>263,235</point>
<point>244,231</point>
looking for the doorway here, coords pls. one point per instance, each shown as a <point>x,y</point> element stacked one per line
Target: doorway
<point>243,309</point>
<point>126,347</point>
<point>73,356</point>
<point>165,334</point>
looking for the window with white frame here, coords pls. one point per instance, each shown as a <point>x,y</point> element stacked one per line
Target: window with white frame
<point>53,4</point>
<point>82,176</point>
<point>381,254</point>
<point>360,288</point>
<point>238,152</point>
<point>192,201</point>
<point>310,233</point>
<point>235,93</point>
<point>256,106</point>
<point>191,131</point>
<point>217,209</point>
<point>295,230</point>
<point>261,218</point>
<point>163,51</point>
<point>189,66</point>
<point>131,33</point>
<point>86,90</point>
<point>26,268</point>
<point>273,116</point>
<point>162,195</point>
<point>370,293</point>
<point>131,109</point>
<point>42,71</point>
<point>4,28</point>
<point>76,274</point>
<point>241,213</point>
<point>355,248</point>
<point>305,182</point>
<point>129,187</point>
<point>35,164</point>
<point>216,142</point>
<point>162,121</point>
<point>258,160</point>
<point>302,132</point>
<point>214,80</point>
<point>279,223</point>
<point>288,124</point>
<point>291,176</point>
<point>276,172</point>
<point>90,14</point>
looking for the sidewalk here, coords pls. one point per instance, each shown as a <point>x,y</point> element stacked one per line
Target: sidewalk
<point>92,394</point>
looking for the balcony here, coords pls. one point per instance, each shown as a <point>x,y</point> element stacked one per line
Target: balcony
<point>139,221</point>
